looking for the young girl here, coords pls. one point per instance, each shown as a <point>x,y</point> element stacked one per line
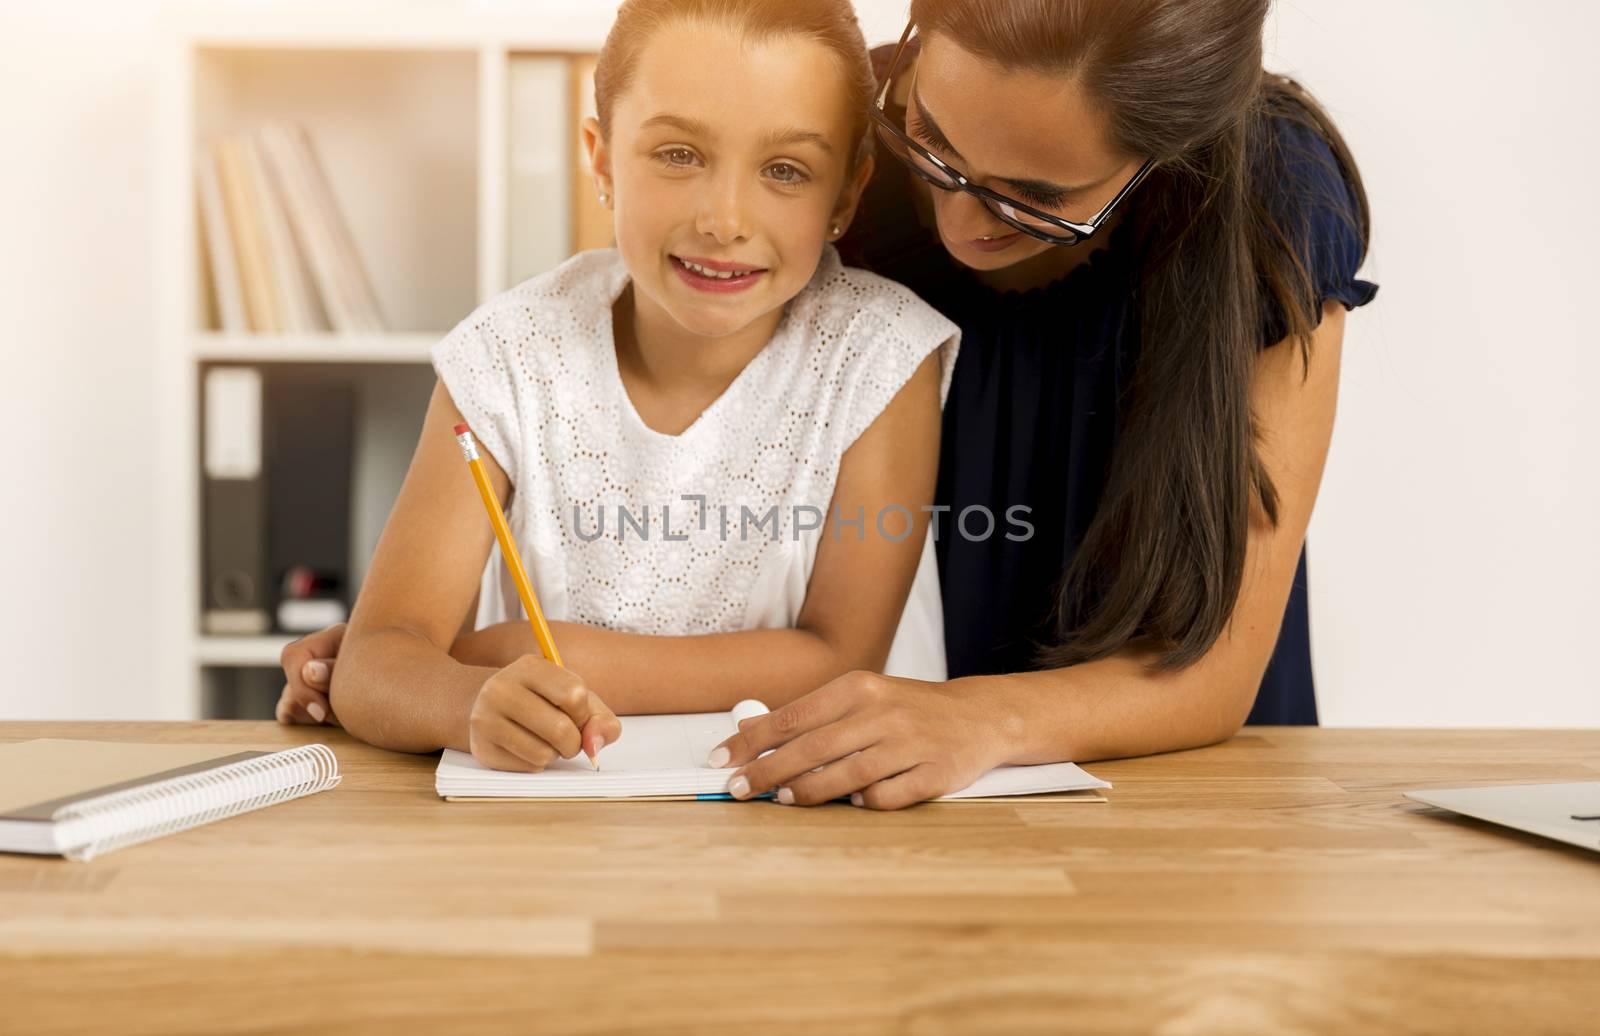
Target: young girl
<point>718,444</point>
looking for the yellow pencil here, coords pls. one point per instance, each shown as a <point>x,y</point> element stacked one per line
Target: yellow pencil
<point>508,550</point>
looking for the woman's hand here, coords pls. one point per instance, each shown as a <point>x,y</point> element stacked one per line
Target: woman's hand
<point>308,671</point>
<point>533,711</point>
<point>885,742</point>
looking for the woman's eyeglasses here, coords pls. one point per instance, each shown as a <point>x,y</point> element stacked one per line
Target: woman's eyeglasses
<point>1046,226</point>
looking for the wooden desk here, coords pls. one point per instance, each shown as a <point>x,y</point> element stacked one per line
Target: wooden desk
<point>1276,883</point>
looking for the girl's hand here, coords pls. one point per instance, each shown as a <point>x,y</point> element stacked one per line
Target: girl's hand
<point>533,711</point>
<point>885,742</point>
<point>308,669</point>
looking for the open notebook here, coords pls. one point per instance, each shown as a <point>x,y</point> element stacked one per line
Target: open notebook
<point>664,757</point>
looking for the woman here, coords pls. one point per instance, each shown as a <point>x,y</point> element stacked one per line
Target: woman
<point>1149,245</point>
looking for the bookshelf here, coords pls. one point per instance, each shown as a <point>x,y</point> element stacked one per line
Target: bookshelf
<point>439,130</point>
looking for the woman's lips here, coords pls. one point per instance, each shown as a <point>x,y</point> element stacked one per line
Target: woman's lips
<point>702,282</point>
<point>996,244</point>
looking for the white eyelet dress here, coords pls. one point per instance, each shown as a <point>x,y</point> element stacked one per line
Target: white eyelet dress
<point>714,530</point>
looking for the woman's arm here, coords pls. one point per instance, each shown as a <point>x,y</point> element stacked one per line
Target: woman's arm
<point>1115,706</point>
<point>853,602</point>
<point>917,740</point>
<point>396,685</point>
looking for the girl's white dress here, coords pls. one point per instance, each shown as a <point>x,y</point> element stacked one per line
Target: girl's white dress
<point>716,529</point>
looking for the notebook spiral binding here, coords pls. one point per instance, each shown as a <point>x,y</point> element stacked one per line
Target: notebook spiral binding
<point>124,818</point>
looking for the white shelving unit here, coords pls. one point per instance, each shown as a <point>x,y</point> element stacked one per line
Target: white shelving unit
<point>240,651</point>
<point>396,347</point>
<point>408,105</point>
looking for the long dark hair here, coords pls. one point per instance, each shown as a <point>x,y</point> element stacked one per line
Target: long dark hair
<point>1163,559</point>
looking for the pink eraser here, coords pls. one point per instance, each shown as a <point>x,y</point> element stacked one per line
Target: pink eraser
<point>462,429</point>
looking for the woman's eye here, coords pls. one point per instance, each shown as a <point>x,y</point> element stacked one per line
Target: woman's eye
<point>927,139</point>
<point>785,173</point>
<point>1042,201</point>
<point>677,156</point>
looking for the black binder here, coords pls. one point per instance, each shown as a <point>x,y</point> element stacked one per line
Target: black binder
<point>310,437</point>
<point>283,504</point>
<point>233,504</point>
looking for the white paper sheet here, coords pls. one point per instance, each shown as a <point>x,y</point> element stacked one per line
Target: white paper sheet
<point>666,755</point>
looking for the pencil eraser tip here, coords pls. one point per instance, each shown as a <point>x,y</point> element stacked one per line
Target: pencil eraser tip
<point>462,429</point>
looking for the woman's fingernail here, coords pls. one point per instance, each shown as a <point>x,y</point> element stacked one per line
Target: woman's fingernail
<point>316,671</point>
<point>316,712</point>
<point>856,799</point>
<point>739,787</point>
<point>786,796</point>
<point>599,743</point>
<point>719,757</point>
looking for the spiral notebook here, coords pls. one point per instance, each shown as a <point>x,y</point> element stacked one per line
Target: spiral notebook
<point>82,798</point>
<point>664,757</point>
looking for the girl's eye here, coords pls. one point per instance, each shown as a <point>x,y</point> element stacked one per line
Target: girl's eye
<point>785,173</point>
<point>678,156</point>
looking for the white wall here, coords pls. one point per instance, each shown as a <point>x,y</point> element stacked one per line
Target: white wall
<point>1453,546</point>
<point>77,388</point>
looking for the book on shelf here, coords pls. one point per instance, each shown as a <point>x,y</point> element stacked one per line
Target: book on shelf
<point>551,205</point>
<point>538,158</point>
<point>326,238</point>
<point>298,311</point>
<point>280,254</point>
<point>260,303</point>
<point>225,282</point>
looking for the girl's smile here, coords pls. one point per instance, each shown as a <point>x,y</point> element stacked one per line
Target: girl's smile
<point>711,275</point>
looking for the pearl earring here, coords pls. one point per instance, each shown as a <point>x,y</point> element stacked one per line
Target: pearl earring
<point>605,199</point>
<point>836,230</point>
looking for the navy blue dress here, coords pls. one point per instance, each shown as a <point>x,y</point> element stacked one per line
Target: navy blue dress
<point>1033,409</point>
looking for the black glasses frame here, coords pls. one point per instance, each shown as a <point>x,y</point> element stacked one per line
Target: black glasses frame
<point>1068,232</point>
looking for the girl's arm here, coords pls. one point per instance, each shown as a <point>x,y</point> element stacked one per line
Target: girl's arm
<point>396,685</point>
<point>929,738</point>
<point>853,602</point>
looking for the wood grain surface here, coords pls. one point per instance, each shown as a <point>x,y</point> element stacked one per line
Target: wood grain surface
<point>1276,883</point>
